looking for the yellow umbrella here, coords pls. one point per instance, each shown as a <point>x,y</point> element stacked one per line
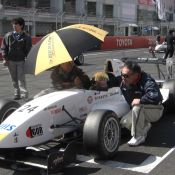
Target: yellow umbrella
<point>62,46</point>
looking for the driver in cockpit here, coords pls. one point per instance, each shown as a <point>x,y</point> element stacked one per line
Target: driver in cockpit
<point>100,81</point>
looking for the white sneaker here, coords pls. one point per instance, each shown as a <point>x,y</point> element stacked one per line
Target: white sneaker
<point>135,141</point>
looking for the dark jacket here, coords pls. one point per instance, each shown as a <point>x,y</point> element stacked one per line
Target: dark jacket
<point>58,76</point>
<point>158,38</point>
<point>170,39</point>
<point>146,90</point>
<point>16,49</point>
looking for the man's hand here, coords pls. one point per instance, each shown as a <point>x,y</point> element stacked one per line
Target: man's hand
<point>136,101</point>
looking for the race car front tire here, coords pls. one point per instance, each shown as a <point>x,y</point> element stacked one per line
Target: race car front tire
<point>6,108</point>
<point>101,134</point>
<point>170,103</point>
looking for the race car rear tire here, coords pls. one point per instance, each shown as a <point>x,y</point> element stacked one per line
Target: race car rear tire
<point>101,134</point>
<point>6,108</point>
<point>170,103</point>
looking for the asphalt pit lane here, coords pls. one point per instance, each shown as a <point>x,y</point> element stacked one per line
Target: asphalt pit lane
<point>131,157</point>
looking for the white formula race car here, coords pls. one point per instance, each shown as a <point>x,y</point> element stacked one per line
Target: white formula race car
<point>161,47</point>
<point>43,131</point>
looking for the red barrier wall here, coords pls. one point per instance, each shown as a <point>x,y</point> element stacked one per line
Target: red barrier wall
<point>127,42</point>
<point>119,42</point>
<point>35,40</point>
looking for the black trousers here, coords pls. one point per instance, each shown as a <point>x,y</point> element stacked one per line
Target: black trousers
<point>170,52</point>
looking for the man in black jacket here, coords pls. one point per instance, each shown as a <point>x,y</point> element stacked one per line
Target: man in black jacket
<point>15,47</point>
<point>170,39</point>
<point>143,95</point>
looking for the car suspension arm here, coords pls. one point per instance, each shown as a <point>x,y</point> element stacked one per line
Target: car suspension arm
<point>74,119</point>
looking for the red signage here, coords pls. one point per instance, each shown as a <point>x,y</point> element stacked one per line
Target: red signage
<point>145,2</point>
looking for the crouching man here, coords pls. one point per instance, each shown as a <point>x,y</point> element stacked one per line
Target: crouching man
<point>143,95</point>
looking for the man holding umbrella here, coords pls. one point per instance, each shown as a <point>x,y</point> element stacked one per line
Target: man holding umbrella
<point>66,76</point>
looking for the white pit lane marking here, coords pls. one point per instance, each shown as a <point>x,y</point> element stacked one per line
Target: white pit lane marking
<point>145,167</point>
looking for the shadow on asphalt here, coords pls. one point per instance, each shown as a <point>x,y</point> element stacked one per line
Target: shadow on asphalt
<point>126,157</point>
<point>161,133</point>
<point>80,170</point>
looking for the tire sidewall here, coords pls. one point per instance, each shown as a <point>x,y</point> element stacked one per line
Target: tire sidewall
<point>6,108</point>
<point>101,142</point>
<point>93,133</point>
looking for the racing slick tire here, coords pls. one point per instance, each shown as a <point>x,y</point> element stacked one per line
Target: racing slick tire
<point>170,103</point>
<point>79,60</point>
<point>101,134</point>
<point>6,108</point>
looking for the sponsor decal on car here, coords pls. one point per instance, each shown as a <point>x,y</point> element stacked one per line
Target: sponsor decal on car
<point>28,108</point>
<point>55,111</point>
<point>34,131</point>
<point>114,93</point>
<point>90,99</point>
<point>101,96</point>
<point>15,137</point>
<point>7,127</point>
<point>50,107</point>
<point>83,109</point>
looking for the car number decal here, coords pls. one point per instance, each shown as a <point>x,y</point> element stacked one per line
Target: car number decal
<point>28,108</point>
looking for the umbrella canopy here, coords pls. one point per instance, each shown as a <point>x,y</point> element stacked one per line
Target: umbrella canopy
<point>62,46</point>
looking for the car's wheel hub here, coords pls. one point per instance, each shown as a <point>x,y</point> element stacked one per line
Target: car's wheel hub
<point>111,135</point>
